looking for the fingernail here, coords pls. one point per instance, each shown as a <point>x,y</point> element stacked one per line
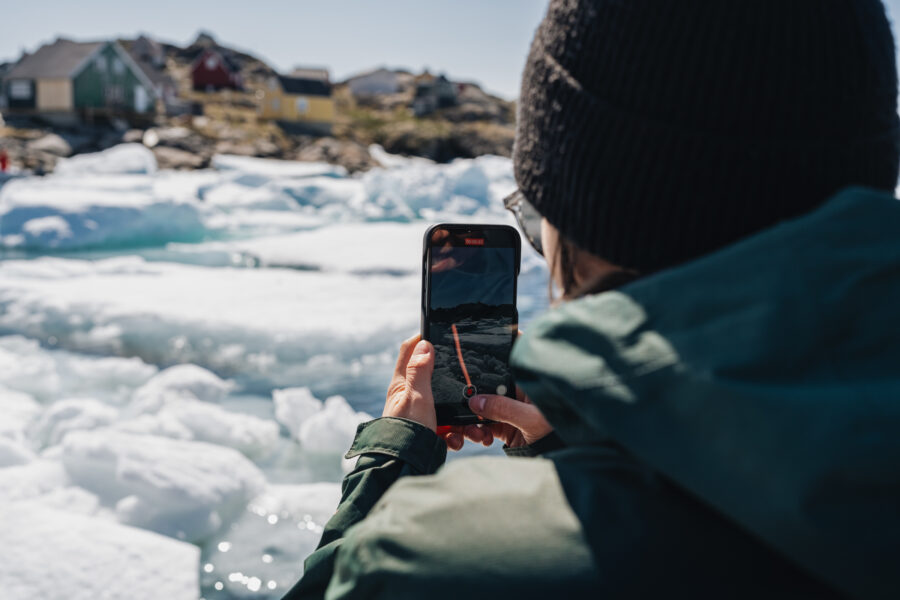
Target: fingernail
<point>421,348</point>
<point>477,403</point>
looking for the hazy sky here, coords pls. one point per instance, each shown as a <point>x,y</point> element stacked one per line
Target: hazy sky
<point>480,40</point>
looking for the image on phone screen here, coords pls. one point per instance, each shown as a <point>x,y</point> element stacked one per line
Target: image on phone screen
<point>471,314</point>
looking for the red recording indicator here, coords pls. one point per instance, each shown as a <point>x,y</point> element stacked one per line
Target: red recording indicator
<point>474,241</point>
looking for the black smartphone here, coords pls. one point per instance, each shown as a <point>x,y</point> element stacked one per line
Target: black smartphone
<point>469,313</point>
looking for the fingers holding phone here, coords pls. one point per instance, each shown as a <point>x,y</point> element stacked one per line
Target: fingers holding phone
<point>517,421</point>
<point>409,393</point>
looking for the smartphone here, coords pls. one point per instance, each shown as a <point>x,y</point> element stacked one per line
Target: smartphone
<point>469,313</point>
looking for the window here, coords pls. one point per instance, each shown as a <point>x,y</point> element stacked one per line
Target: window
<point>100,62</point>
<point>302,106</point>
<point>276,104</point>
<point>118,66</point>
<point>20,89</point>
<point>212,62</point>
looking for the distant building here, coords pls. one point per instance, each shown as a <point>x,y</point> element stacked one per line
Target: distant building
<point>66,80</point>
<point>165,87</point>
<point>4,69</point>
<point>150,51</point>
<point>300,103</point>
<point>214,70</point>
<point>375,83</point>
<point>433,93</point>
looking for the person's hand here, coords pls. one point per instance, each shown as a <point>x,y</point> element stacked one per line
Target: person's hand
<point>519,422</point>
<point>409,393</point>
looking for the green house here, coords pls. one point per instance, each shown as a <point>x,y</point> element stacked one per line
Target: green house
<point>66,81</point>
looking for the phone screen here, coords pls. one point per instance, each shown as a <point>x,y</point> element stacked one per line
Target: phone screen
<point>470,315</point>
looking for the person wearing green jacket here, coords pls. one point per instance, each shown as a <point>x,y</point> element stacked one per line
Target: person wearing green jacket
<point>713,407</point>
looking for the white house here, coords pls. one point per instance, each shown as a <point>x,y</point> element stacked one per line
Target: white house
<point>373,83</point>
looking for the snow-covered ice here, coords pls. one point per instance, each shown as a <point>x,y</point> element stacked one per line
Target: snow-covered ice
<point>185,357</point>
<point>47,553</point>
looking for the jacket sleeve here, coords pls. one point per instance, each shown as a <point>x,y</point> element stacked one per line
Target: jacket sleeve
<point>388,448</point>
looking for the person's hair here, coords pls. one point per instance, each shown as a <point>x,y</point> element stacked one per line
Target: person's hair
<point>565,264</point>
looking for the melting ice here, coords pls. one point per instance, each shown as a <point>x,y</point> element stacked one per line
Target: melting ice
<point>185,356</point>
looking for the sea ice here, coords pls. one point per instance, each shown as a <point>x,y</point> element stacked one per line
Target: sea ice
<point>183,489</point>
<point>71,414</point>
<point>273,325</point>
<point>121,159</point>
<point>254,437</point>
<point>326,427</point>
<point>31,480</point>
<point>48,375</point>
<point>18,410</point>
<point>57,555</point>
<point>181,382</point>
<point>14,453</point>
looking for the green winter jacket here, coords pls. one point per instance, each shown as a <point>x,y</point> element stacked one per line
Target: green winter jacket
<point>731,429</point>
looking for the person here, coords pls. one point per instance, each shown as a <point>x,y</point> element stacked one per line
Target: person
<point>711,410</point>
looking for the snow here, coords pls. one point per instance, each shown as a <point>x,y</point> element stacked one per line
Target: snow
<point>28,372</point>
<point>13,453</point>
<point>184,489</point>
<point>46,553</point>
<point>281,325</point>
<point>72,414</point>
<point>166,340</point>
<point>31,480</point>
<point>327,427</point>
<point>121,159</point>
<point>181,381</point>
<point>18,410</point>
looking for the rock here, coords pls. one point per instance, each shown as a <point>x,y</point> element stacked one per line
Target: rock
<point>133,136</point>
<point>173,158</point>
<point>232,147</point>
<point>353,156</point>
<point>52,144</point>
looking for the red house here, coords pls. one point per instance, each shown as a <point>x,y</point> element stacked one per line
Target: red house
<point>215,70</point>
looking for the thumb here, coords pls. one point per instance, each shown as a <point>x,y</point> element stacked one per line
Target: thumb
<point>419,369</point>
<point>525,417</point>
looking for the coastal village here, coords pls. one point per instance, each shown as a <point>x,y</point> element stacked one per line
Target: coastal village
<point>188,104</point>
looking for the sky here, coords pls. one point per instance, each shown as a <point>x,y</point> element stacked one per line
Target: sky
<point>471,40</point>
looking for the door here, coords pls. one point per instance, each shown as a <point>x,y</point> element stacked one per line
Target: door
<point>140,99</point>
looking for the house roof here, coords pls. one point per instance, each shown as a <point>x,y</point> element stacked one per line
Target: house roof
<point>62,58</point>
<point>156,76</point>
<point>310,73</point>
<point>378,71</point>
<point>304,86</point>
<point>227,58</point>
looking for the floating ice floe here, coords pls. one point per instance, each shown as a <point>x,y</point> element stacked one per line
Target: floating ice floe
<point>326,427</point>
<point>184,489</point>
<point>27,368</point>
<point>46,553</point>
<point>71,414</point>
<point>122,159</point>
<point>280,326</point>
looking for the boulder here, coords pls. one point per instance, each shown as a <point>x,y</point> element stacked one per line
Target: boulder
<point>52,144</point>
<point>174,158</point>
<point>353,156</point>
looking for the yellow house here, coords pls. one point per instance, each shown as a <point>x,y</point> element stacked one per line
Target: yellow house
<point>300,101</point>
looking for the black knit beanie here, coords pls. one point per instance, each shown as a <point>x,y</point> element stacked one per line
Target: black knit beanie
<point>653,132</point>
